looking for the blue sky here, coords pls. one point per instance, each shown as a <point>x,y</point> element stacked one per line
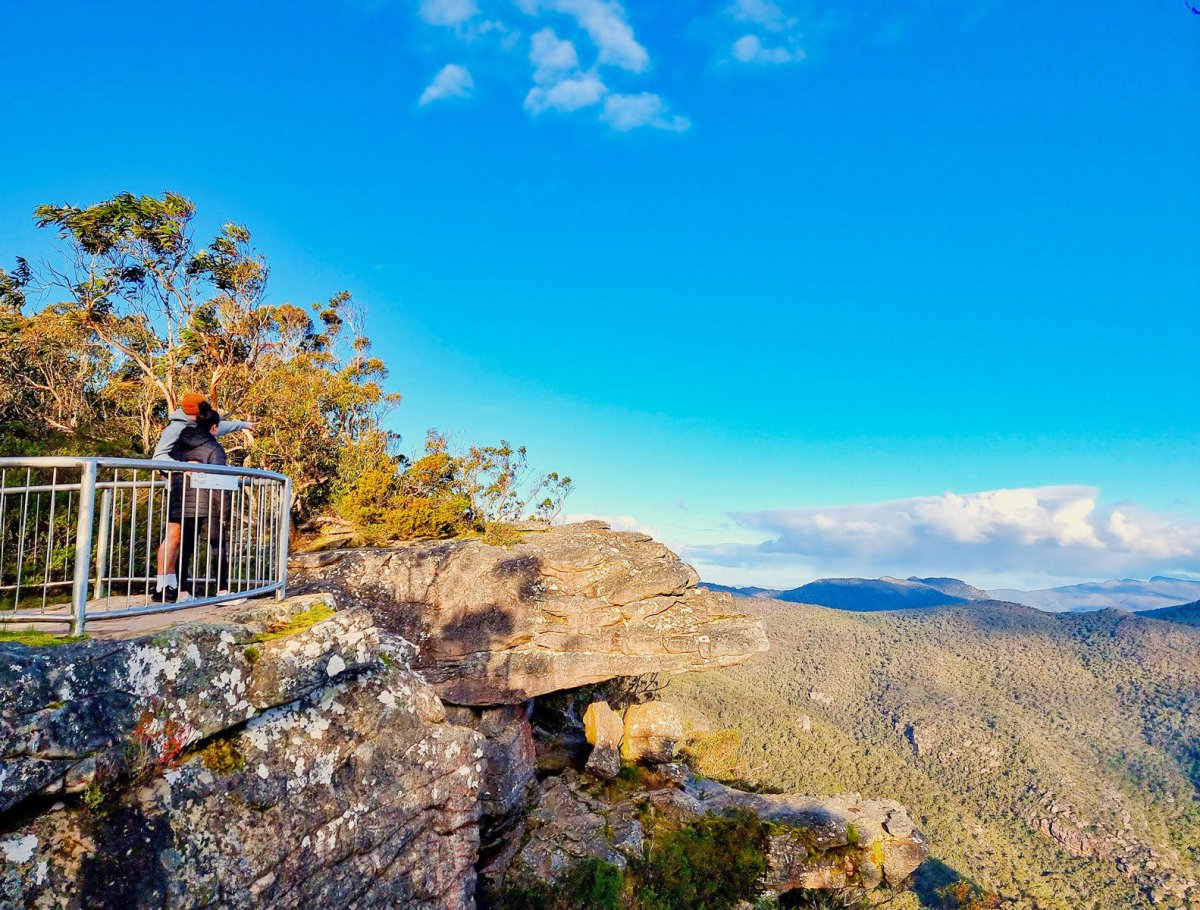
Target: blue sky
<point>797,285</point>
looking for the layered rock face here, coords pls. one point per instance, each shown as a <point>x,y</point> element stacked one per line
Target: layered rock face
<point>827,844</point>
<point>567,606</point>
<point>313,770</point>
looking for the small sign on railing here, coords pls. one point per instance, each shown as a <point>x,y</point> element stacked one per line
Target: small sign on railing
<point>213,482</point>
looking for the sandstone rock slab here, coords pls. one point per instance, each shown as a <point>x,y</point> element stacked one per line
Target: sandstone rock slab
<point>566,607</point>
<point>603,729</point>
<point>652,731</point>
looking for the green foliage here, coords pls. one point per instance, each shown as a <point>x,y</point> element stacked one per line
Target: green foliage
<point>499,534</point>
<point>297,623</point>
<point>252,655</point>
<point>146,313</point>
<point>222,756</point>
<point>589,884</point>
<point>439,495</point>
<point>967,896</point>
<point>92,797</point>
<point>35,639</point>
<point>711,864</point>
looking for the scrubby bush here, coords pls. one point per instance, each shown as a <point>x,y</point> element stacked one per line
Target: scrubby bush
<point>711,864</point>
<point>590,884</point>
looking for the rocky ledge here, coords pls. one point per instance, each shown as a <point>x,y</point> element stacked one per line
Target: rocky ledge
<point>235,766</point>
<point>565,607</point>
<point>305,754</point>
<point>835,844</point>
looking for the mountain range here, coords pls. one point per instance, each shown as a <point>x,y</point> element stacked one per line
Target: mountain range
<point>1127,594</point>
<point>887,593</point>
<point>1052,758</point>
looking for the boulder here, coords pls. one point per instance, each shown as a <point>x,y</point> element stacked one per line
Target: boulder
<point>603,728</point>
<point>840,844</point>
<point>72,711</point>
<point>652,730</point>
<point>311,774</point>
<point>567,824</point>
<point>565,607</point>
<point>509,754</point>
<point>825,843</point>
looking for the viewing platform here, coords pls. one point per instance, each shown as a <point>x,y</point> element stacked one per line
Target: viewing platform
<point>85,541</point>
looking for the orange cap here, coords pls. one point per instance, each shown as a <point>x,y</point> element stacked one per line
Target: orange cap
<point>191,404</point>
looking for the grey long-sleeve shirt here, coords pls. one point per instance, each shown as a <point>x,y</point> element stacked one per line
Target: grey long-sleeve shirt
<point>180,421</point>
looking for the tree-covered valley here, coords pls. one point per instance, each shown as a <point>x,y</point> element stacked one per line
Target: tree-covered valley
<point>1053,760</point>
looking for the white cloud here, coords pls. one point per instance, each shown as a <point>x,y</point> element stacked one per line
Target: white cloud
<point>750,49</point>
<point>761,12</point>
<point>628,112</point>
<point>767,34</point>
<point>551,56</point>
<point>452,81</point>
<point>561,83</point>
<point>569,95</point>
<point>991,537</point>
<point>606,26</point>
<point>448,12</point>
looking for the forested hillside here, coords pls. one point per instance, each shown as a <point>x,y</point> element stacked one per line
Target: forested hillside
<point>1052,759</point>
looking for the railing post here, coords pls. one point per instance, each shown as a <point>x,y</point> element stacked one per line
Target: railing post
<point>285,532</point>
<point>106,498</point>
<point>83,547</point>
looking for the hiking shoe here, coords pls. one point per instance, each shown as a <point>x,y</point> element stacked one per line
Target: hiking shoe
<point>167,595</point>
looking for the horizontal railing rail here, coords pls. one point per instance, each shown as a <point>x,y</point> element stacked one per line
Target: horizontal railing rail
<point>101,538</point>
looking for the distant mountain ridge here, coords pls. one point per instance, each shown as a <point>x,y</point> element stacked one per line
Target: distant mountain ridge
<point>1126,594</point>
<point>868,594</point>
<point>743,592</point>
<point>1184,614</point>
<point>954,587</point>
<point>871,594</point>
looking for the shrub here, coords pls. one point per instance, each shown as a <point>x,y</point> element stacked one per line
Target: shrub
<point>590,884</point>
<point>222,756</point>
<point>283,628</point>
<point>711,864</point>
<point>499,534</point>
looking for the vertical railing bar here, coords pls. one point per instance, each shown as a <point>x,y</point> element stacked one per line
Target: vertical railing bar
<point>149,526</point>
<point>104,532</point>
<point>49,538</point>
<point>21,541</point>
<point>271,561</point>
<point>244,545</point>
<point>34,549</point>
<point>285,530</point>
<point>118,509</point>
<point>69,561</point>
<point>133,511</point>
<point>83,547</point>
<point>195,534</point>
<point>207,543</point>
<point>258,507</point>
<point>3,519</point>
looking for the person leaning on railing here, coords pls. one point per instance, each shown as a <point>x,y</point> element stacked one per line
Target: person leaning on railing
<point>199,511</point>
<point>193,407</point>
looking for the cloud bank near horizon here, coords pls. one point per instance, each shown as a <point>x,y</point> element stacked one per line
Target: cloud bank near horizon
<point>1029,537</point>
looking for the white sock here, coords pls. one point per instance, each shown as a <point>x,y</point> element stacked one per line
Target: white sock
<point>160,583</point>
<point>172,580</point>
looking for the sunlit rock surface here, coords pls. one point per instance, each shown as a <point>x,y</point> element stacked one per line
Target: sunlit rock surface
<point>567,606</point>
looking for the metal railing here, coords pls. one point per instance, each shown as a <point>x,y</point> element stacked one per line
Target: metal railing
<point>87,538</point>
